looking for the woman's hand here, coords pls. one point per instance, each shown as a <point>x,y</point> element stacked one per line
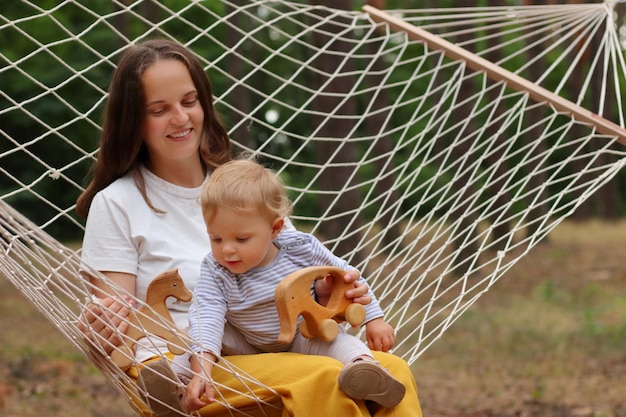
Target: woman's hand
<point>359,294</point>
<point>103,321</point>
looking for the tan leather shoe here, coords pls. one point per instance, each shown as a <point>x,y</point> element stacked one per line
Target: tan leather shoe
<point>367,380</point>
<point>161,389</point>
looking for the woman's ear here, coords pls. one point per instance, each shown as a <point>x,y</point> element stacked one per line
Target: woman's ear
<point>277,226</point>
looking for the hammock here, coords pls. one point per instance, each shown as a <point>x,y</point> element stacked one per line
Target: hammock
<point>430,148</point>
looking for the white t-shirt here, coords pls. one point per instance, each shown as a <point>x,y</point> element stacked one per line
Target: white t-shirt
<point>123,234</point>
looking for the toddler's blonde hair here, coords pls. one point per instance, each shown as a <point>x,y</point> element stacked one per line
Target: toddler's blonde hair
<point>245,185</point>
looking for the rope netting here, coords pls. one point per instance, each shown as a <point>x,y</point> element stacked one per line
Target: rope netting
<point>431,148</point>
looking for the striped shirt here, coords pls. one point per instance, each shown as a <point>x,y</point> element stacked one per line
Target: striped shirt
<point>247,300</point>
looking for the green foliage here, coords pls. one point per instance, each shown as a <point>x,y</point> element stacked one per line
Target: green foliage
<point>59,84</point>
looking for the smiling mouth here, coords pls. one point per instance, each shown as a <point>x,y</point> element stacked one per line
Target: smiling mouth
<point>180,134</point>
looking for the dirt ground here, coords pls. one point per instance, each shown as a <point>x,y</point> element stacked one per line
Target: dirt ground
<point>549,340</point>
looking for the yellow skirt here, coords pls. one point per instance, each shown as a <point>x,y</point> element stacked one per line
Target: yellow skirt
<point>306,384</point>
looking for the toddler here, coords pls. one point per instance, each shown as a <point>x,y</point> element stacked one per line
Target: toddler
<point>245,206</point>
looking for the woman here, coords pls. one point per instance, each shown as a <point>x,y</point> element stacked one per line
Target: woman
<point>160,140</point>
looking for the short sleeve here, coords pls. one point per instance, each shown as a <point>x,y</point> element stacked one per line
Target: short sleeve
<point>107,243</point>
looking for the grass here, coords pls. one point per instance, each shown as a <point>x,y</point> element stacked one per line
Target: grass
<point>548,340</point>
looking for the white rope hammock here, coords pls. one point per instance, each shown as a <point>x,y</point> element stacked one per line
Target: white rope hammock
<point>431,148</point>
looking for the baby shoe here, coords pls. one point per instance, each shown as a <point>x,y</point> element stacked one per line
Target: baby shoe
<point>161,389</point>
<point>367,380</point>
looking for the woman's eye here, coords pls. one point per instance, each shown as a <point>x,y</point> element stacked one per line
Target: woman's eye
<point>190,103</point>
<point>157,111</point>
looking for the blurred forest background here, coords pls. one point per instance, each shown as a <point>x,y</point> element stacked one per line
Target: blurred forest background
<point>68,110</point>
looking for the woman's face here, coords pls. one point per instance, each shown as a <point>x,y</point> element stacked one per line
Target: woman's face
<point>174,116</point>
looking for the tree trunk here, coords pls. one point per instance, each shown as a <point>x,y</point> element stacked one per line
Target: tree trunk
<point>384,145</point>
<point>501,229</point>
<point>465,233</point>
<point>343,204</point>
<point>535,71</point>
<point>239,96</point>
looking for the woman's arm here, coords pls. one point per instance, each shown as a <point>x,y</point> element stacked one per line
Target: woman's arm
<point>120,279</point>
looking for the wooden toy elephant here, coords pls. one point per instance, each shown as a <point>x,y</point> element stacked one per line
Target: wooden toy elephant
<point>293,298</point>
<point>149,320</point>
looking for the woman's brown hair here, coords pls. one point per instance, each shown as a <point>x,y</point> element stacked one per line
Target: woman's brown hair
<point>121,141</point>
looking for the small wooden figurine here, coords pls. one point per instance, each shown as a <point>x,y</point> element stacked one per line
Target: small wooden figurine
<point>293,298</point>
<point>149,320</point>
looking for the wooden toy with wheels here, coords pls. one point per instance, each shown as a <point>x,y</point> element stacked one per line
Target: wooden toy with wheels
<point>293,298</point>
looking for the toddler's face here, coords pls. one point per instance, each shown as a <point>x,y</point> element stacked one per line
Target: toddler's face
<point>241,241</point>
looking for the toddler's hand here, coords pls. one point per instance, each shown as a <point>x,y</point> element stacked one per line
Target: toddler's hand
<point>324,287</point>
<point>196,388</point>
<point>380,335</point>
